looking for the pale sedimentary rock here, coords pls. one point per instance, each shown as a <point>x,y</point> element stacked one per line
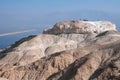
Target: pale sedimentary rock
<point>80,27</point>
<point>69,54</point>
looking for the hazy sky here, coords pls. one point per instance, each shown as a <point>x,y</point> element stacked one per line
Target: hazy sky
<point>21,14</point>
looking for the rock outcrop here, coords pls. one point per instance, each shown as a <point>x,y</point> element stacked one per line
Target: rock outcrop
<point>29,50</point>
<point>80,27</point>
<point>66,55</point>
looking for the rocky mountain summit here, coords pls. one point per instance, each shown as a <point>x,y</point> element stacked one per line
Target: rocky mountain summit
<point>71,50</point>
<point>80,27</point>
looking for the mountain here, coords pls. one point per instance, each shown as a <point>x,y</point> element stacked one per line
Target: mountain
<point>71,50</point>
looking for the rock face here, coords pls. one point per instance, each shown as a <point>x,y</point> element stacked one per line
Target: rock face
<point>80,27</point>
<point>33,49</point>
<point>73,56</point>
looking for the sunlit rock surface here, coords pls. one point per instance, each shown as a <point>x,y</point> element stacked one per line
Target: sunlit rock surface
<point>77,26</point>
<point>64,53</point>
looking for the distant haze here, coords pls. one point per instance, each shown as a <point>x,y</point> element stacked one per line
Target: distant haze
<point>22,15</point>
<point>40,14</point>
<point>14,33</point>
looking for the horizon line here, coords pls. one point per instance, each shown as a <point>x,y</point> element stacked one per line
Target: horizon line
<point>17,32</point>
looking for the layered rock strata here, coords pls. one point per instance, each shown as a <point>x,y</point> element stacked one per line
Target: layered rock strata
<point>71,50</point>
